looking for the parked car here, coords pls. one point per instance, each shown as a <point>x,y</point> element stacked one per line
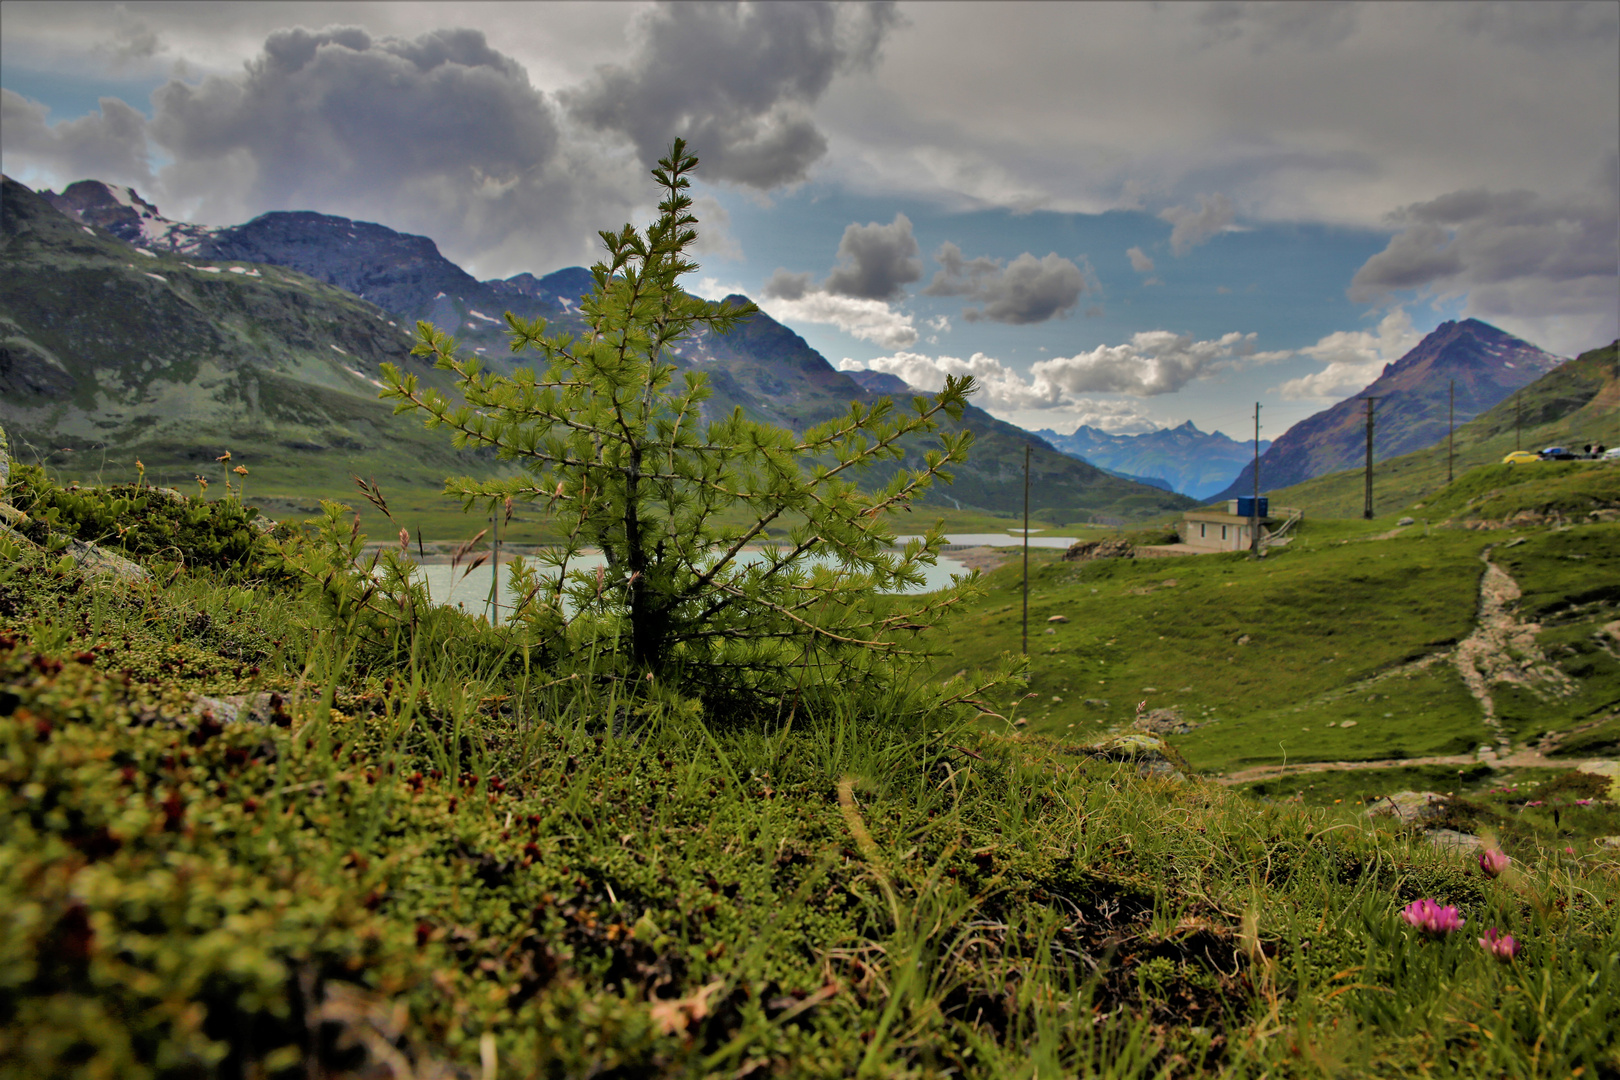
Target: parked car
<point>1520,457</point>
<point>1557,453</point>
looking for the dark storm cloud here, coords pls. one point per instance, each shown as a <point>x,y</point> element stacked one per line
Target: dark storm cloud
<point>1542,26</point>
<point>334,109</point>
<point>737,81</point>
<point>110,145</point>
<point>438,134</point>
<point>787,285</point>
<point>1315,24</point>
<point>1026,290</point>
<point>1469,239</point>
<point>875,261</point>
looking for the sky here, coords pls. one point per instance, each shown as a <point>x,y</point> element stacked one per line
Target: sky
<point>1127,215</point>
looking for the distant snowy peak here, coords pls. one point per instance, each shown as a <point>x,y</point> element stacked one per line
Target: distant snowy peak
<point>121,211</point>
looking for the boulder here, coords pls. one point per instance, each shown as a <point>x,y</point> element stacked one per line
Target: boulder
<point>1086,550</point>
<point>1151,754</point>
<point>1408,807</point>
<point>93,560</point>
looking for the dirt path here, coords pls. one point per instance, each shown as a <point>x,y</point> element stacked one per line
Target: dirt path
<point>1502,649</point>
<point>1518,759</point>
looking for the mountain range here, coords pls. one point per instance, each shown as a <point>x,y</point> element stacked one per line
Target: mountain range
<point>123,332</point>
<point>1411,403</point>
<point>1184,459</point>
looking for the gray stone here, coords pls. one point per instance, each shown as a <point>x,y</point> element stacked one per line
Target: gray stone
<point>1405,521</point>
<point>92,560</point>
<point>1408,807</point>
<point>1452,840</point>
<point>236,708</point>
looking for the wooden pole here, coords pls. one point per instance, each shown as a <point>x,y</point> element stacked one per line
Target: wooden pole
<point>1026,548</point>
<point>1367,507</point>
<point>1254,510</point>
<point>1451,429</point>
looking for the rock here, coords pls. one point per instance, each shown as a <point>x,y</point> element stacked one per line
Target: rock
<point>1405,521</point>
<point>1163,721</point>
<point>1169,583</point>
<point>1151,754</point>
<point>1408,807</point>
<point>1244,640</point>
<point>1058,618</point>
<point>1610,769</point>
<point>92,560</point>
<point>1452,840</point>
<point>260,709</point>
<point>1347,723</point>
<point>1086,550</point>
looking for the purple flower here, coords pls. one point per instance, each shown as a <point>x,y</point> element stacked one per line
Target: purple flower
<point>1583,802</point>
<point>1431,918</point>
<point>1492,862</point>
<point>1501,946</point>
<point>1533,802</point>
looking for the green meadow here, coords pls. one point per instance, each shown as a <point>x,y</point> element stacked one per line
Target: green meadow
<point>239,839</point>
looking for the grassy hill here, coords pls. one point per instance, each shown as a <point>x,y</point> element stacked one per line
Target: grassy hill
<point>1572,405</point>
<point>238,841</point>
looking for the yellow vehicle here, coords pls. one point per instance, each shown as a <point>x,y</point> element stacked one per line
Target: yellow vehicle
<point>1519,457</point>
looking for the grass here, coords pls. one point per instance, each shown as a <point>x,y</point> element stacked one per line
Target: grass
<point>437,855</point>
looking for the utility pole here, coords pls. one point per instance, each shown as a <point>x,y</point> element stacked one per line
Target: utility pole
<point>1367,507</point>
<point>1026,549</point>
<point>1451,428</point>
<point>1254,514</point>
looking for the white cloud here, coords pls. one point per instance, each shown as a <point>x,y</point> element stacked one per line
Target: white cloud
<point>1004,393</point>
<point>1151,363</point>
<point>869,320</point>
<point>1352,358</point>
<point>1140,262</point>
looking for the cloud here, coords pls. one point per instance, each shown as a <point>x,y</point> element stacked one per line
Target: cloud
<point>1027,290</point>
<point>736,81</point>
<point>1194,227</point>
<point>109,145</point>
<point>1152,363</point>
<point>1352,359</point>
<point>714,229</point>
<point>1315,24</point>
<point>438,134</point>
<point>132,41</point>
<point>999,385</point>
<point>786,285</point>
<point>875,261</point>
<point>1140,262</point>
<point>869,320</point>
<point>1531,263</point>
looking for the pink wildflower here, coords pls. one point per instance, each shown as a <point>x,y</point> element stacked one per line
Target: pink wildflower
<point>1501,946</point>
<point>1492,862</point>
<point>1431,918</point>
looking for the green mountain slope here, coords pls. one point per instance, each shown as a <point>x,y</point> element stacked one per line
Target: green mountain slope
<point>1576,403</point>
<point>111,352</point>
<point>108,356</point>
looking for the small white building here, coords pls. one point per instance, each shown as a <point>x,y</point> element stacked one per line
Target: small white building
<point>1224,530</point>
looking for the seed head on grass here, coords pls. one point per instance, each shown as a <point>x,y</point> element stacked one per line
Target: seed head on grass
<point>1431,918</point>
